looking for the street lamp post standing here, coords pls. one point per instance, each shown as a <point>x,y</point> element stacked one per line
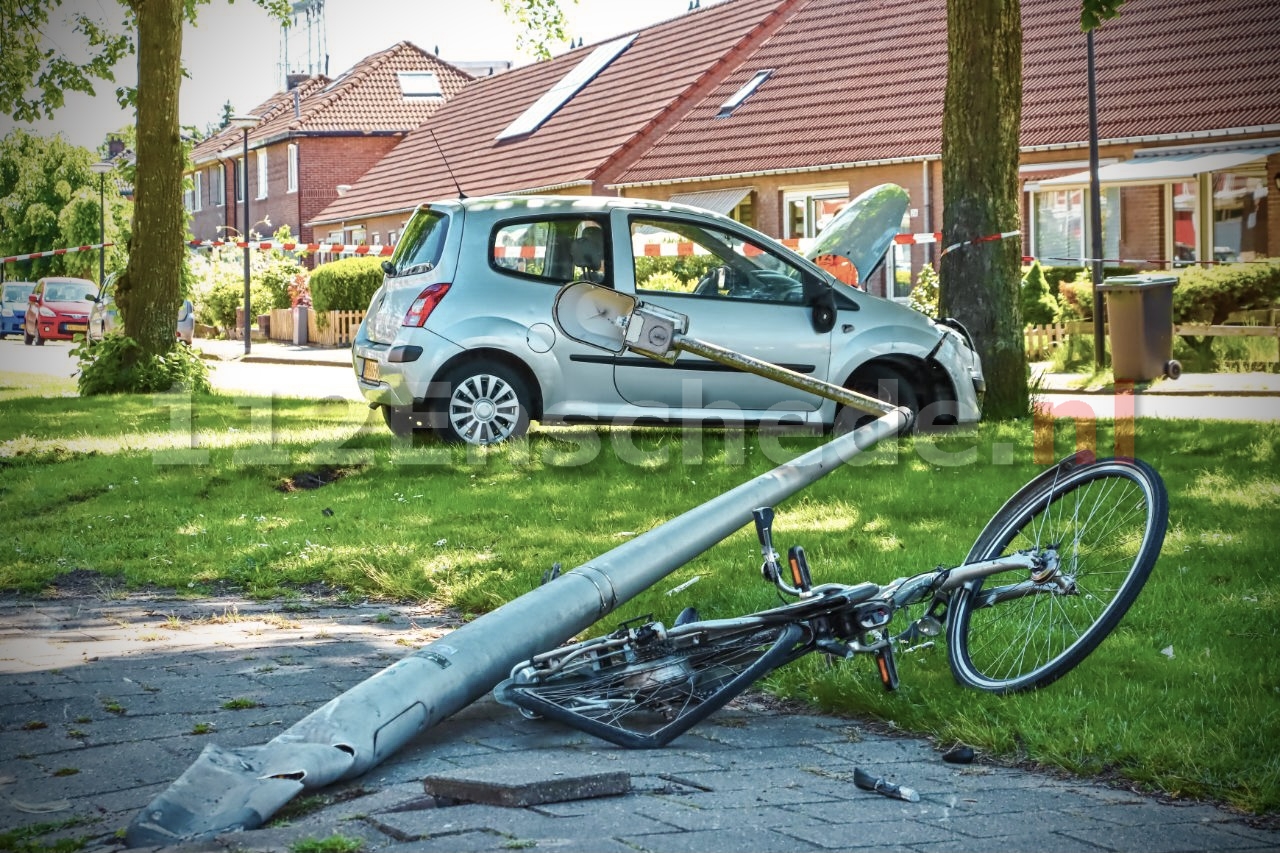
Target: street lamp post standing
<point>101,169</point>
<point>244,122</point>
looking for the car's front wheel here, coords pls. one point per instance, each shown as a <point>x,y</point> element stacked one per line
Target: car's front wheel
<point>883,383</point>
<point>487,403</point>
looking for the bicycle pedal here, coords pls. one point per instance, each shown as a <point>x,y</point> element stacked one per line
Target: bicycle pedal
<point>887,667</point>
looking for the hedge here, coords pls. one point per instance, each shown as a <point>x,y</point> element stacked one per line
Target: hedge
<point>346,284</point>
<point>1211,295</point>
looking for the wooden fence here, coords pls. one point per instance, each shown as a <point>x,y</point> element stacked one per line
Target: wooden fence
<point>1041,341</point>
<point>339,329</point>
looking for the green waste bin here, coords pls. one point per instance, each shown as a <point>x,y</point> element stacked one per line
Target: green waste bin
<point>1140,316</point>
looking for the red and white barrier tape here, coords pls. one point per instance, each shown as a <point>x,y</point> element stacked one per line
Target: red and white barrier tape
<point>936,237</point>
<point>267,245</point>
<point>54,252</point>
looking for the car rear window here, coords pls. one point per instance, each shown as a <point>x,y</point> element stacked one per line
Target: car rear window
<point>422,243</point>
<point>555,249</point>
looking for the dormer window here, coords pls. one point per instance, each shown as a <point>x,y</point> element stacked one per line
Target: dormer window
<point>748,88</point>
<point>420,84</point>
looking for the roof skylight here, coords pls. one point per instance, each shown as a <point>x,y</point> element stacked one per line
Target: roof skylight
<point>727,108</point>
<point>568,86</point>
<point>420,84</point>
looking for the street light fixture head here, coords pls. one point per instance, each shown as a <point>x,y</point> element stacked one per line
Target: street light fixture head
<point>244,122</point>
<point>101,168</point>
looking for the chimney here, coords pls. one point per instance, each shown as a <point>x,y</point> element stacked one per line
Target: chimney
<point>292,81</point>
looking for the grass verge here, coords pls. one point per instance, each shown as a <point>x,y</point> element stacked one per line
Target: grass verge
<point>269,496</point>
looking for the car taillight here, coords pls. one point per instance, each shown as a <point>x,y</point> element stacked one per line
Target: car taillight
<point>422,307</point>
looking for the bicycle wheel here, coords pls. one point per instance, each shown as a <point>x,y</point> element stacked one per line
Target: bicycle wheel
<point>1106,522</point>
<point>663,689</point>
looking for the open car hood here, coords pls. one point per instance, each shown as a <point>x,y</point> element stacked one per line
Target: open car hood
<point>863,231</point>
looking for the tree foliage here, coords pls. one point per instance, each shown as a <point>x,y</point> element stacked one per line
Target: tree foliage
<point>48,200</point>
<point>1094,12</point>
<point>542,24</point>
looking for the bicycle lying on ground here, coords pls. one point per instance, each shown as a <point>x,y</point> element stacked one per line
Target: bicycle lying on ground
<point>1047,580</point>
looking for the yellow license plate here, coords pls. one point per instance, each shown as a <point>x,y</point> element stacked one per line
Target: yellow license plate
<point>77,327</point>
<point>370,370</point>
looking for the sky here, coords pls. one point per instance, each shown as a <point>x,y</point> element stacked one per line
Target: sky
<point>234,51</point>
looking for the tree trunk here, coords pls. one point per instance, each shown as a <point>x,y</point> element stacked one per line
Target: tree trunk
<point>148,294</point>
<point>981,118</point>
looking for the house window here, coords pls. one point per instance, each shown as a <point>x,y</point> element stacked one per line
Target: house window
<point>293,168</point>
<point>1059,233</point>
<point>197,194</point>
<point>241,178</point>
<point>1240,215</point>
<point>807,212</point>
<point>392,236</point>
<point>218,186</point>
<point>262,173</point>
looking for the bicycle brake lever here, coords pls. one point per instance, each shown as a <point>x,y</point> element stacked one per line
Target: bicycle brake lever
<point>763,517</point>
<point>867,782</point>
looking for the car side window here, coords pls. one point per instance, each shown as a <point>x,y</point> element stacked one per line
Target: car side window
<point>556,250</point>
<point>697,259</point>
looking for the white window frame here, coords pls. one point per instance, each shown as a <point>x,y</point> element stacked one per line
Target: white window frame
<point>293,168</point>
<point>809,195</point>
<point>241,169</point>
<point>262,173</point>
<point>197,194</point>
<point>218,185</point>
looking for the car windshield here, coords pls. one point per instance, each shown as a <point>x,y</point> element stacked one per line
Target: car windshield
<point>422,244</point>
<point>68,291</point>
<point>16,292</point>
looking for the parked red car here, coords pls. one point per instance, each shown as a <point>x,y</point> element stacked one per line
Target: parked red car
<point>58,310</point>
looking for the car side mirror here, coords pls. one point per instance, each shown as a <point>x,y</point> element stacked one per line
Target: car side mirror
<point>822,305</point>
<point>388,267</point>
<point>32,298</point>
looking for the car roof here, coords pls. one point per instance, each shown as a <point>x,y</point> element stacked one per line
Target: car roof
<point>65,279</point>
<point>572,203</point>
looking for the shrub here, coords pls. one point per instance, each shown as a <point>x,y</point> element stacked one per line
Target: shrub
<point>1057,276</point>
<point>276,278</point>
<point>1039,307</point>
<point>346,284</point>
<point>1075,299</point>
<point>686,268</point>
<point>1210,295</point>
<point>218,306</point>
<point>118,365</point>
<point>924,296</point>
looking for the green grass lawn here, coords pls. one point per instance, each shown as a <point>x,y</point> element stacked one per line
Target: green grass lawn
<point>219,492</point>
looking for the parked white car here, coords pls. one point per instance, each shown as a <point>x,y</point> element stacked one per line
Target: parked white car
<point>103,316</point>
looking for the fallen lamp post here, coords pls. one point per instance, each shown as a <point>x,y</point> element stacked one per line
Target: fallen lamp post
<point>233,789</point>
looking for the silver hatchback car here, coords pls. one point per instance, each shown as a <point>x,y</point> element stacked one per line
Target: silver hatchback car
<point>460,340</point>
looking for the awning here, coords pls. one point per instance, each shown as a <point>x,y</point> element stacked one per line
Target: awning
<point>717,201</point>
<point>1156,169</point>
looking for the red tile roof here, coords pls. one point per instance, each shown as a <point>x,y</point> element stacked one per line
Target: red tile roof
<point>365,99</point>
<point>595,131</point>
<point>861,82</point>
